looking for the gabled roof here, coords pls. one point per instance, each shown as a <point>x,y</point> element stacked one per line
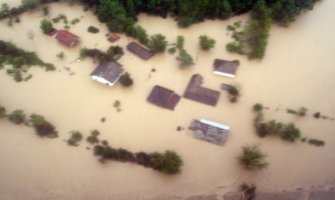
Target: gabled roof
<point>163,97</point>
<point>66,38</point>
<point>209,131</point>
<point>139,50</point>
<point>107,73</point>
<point>225,67</point>
<point>195,92</point>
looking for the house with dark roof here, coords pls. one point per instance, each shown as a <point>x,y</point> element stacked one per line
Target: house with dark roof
<point>107,73</point>
<point>139,50</point>
<point>209,131</point>
<point>225,67</point>
<point>163,97</point>
<point>196,92</point>
<point>66,38</point>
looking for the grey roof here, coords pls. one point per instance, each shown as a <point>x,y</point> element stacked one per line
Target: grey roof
<point>225,66</point>
<point>139,50</point>
<point>110,71</point>
<point>209,131</point>
<point>163,97</point>
<point>195,92</point>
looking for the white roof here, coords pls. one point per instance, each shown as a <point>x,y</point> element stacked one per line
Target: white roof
<point>215,124</point>
<point>224,74</point>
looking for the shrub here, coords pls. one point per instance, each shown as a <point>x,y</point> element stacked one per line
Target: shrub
<point>253,158</point>
<point>126,80</point>
<point>93,138</point>
<point>42,127</point>
<point>17,117</point>
<point>206,43</point>
<point>76,137</point>
<point>46,26</point>
<point>157,43</point>
<point>184,59</point>
<point>317,115</point>
<point>93,29</point>
<point>258,107</point>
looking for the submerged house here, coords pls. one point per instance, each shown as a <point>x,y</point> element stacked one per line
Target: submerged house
<point>195,92</point>
<point>163,97</point>
<point>66,38</point>
<point>139,50</point>
<point>107,73</point>
<point>209,131</point>
<point>113,37</point>
<point>225,67</point>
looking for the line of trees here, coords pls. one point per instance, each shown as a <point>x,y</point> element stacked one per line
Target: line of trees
<point>20,61</point>
<point>168,162</point>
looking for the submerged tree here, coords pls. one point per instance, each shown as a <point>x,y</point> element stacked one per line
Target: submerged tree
<point>253,158</point>
<point>17,117</point>
<point>168,163</point>
<point>42,127</point>
<point>206,43</point>
<point>157,43</point>
<point>2,112</point>
<point>75,138</point>
<point>126,80</point>
<point>184,59</point>
<point>46,26</point>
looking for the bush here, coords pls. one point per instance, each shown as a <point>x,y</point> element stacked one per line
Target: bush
<point>17,117</point>
<point>184,59</point>
<point>206,43</point>
<point>42,127</point>
<point>253,158</point>
<point>126,80</point>
<point>157,43</point>
<point>93,29</point>
<point>93,138</point>
<point>76,137</point>
<point>317,115</point>
<point>46,26</point>
<point>258,107</point>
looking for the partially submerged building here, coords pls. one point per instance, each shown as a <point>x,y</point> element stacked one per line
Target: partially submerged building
<point>66,38</point>
<point>209,131</point>
<point>107,73</point>
<point>139,50</point>
<point>163,97</point>
<point>225,67</point>
<point>196,92</point>
<point>113,37</point>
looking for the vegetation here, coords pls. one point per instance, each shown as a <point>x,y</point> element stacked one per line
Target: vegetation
<point>302,111</point>
<point>19,60</point>
<point>59,18</point>
<point>258,107</point>
<point>252,158</point>
<point>206,43</point>
<point>117,104</point>
<point>93,29</point>
<point>17,117</point>
<point>157,43</point>
<point>168,162</point>
<point>2,112</point>
<point>75,138</point>
<point>42,127</point>
<point>113,54</point>
<point>184,58</point>
<point>60,55</point>
<point>46,26</point>
<point>93,138</point>
<point>234,93</point>
<point>75,21</point>
<point>249,191</point>
<point>316,142</point>
<point>126,80</point>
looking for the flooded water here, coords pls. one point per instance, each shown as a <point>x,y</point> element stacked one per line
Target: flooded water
<point>298,70</point>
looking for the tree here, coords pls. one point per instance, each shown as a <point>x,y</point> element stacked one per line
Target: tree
<point>185,22</point>
<point>290,133</point>
<point>302,111</point>
<point>93,138</point>
<point>2,112</point>
<point>42,127</point>
<point>46,26</point>
<point>252,158</point>
<point>180,42</point>
<point>29,4</point>
<point>184,58</point>
<point>168,163</point>
<point>114,53</point>
<point>206,43</point>
<point>17,117</point>
<point>157,43</point>
<point>76,137</point>
<point>258,107</point>
<point>126,80</point>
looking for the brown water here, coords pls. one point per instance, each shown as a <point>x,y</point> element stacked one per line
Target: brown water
<point>298,70</point>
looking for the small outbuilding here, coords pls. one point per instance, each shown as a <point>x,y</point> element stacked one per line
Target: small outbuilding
<point>107,73</point>
<point>66,38</point>
<point>209,131</point>
<point>139,51</point>
<point>225,67</point>
<point>163,97</point>
<point>113,37</point>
